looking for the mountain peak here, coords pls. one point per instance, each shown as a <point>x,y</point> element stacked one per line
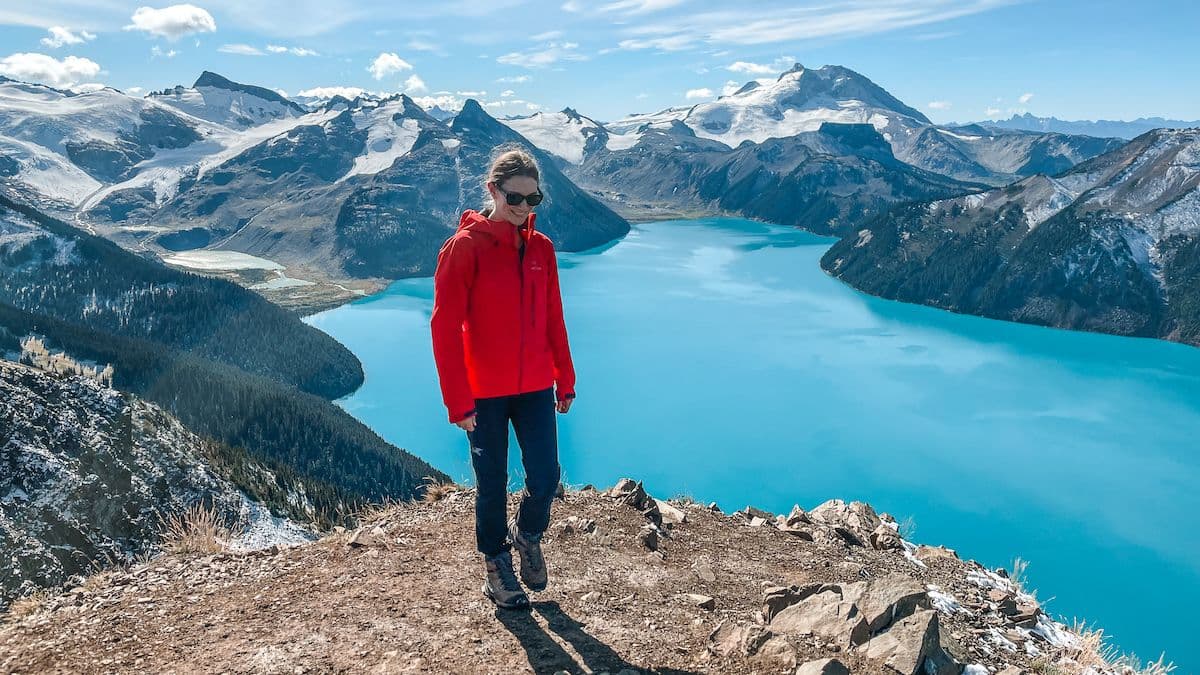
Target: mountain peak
<point>211,79</point>
<point>796,68</point>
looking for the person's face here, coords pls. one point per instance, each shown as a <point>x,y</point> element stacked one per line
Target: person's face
<point>517,185</point>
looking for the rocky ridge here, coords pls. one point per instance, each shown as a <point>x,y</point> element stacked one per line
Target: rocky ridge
<point>638,584</point>
<point>88,475</point>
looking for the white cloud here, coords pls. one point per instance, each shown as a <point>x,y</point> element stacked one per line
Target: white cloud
<point>730,87</point>
<point>294,51</point>
<point>386,64</point>
<point>991,112</point>
<point>572,6</point>
<point>1025,98</point>
<point>798,22</point>
<point>60,36</point>
<point>507,93</point>
<point>704,92</point>
<point>471,94</point>
<point>329,92</point>
<point>419,45</point>
<point>519,79</point>
<point>48,70</point>
<point>242,50</point>
<point>542,57</point>
<point>443,101</point>
<point>157,52</point>
<point>136,91</point>
<point>939,105</point>
<point>670,43</point>
<point>414,83</point>
<point>777,66</point>
<point>642,96</point>
<point>638,6</point>
<point>548,35</point>
<point>172,22</point>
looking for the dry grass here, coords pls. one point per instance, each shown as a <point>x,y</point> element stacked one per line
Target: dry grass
<point>436,491</point>
<point>199,529</point>
<point>29,605</point>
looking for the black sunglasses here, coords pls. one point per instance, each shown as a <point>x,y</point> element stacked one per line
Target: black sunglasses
<point>514,198</point>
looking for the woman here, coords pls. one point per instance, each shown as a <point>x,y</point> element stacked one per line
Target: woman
<point>500,344</point>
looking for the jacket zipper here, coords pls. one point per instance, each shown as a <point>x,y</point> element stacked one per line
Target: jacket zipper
<point>520,317</point>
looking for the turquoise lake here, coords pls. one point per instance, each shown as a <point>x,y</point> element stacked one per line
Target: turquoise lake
<point>716,359</point>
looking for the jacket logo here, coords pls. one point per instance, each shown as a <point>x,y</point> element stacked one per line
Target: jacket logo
<point>535,267</point>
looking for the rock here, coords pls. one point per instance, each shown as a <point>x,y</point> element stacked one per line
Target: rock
<point>590,596</point>
<point>776,654</point>
<point>777,598</point>
<point>823,667</point>
<point>884,538</point>
<point>1011,670</point>
<point>797,517</point>
<point>912,645</point>
<point>856,516</point>
<point>701,601</point>
<point>670,514</point>
<point>849,536</point>
<point>648,535</point>
<point>752,512</point>
<point>798,533</point>
<point>744,639</point>
<point>1026,616</point>
<point>886,599</point>
<point>907,644</point>
<point>704,571</point>
<point>624,487</point>
<point>927,554</point>
<point>824,614</point>
<point>714,508</point>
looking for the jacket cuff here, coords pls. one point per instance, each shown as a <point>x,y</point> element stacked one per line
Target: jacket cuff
<point>456,419</point>
<point>563,397</point>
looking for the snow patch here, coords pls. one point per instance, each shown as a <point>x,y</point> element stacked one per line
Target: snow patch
<point>387,139</point>
<point>221,260</point>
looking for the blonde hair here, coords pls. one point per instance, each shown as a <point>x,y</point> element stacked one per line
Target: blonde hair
<point>511,161</point>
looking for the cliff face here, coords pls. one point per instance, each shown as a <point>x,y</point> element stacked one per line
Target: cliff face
<point>637,584</point>
<point>87,475</point>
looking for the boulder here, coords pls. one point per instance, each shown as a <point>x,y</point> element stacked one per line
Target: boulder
<point>670,513</point>
<point>754,512</point>
<point>797,517</point>
<point>824,614</point>
<point>745,639</point>
<point>777,598</point>
<point>775,655</point>
<point>856,516</point>
<point>928,554</point>
<point>887,599</point>
<point>823,667</point>
<point>884,538</point>
<point>907,644</point>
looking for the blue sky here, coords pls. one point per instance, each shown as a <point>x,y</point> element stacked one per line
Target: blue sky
<point>953,60</point>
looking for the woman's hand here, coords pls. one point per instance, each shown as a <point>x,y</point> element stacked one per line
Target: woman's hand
<point>564,406</point>
<point>467,424</point>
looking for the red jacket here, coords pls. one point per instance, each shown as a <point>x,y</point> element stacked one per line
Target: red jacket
<point>497,318</point>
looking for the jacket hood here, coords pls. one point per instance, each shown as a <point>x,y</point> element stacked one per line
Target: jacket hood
<point>477,222</point>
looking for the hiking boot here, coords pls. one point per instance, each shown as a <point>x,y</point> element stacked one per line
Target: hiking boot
<point>501,585</point>
<point>533,564</point>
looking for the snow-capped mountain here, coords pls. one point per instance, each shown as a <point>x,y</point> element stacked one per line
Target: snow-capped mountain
<point>1111,245</point>
<point>801,100</point>
<point>367,187</point>
<point>824,181</point>
<point>1100,128</point>
<point>58,146</point>
<point>228,103</point>
<point>88,472</point>
<point>565,134</point>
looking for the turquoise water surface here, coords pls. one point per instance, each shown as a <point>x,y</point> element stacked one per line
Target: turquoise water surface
<point>716,359</point>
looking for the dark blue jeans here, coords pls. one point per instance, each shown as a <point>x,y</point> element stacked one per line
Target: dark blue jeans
<point>532,417</point>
